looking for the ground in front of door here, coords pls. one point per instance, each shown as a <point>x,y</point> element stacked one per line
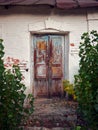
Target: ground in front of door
<point>53,114</point>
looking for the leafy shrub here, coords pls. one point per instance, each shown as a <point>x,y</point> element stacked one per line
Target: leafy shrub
<point>69,88</point>
<point>12,96</point>
<point>77,128</point>
<point>86,82</point>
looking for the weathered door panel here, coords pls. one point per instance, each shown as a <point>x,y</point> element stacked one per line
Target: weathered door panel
<point>56,65</point>
<point>48,65</point>
<point>40,66</point>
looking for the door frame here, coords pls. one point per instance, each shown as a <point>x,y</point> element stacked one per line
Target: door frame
<point>65,47</point>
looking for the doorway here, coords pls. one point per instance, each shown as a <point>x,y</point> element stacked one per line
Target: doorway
<point>48,65</point>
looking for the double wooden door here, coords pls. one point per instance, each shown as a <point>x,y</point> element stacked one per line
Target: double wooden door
<point>48,65</point>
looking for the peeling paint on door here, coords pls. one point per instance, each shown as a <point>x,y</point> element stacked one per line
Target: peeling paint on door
<point>48,66</point>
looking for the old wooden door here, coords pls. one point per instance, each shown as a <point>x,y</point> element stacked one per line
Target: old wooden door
<point>48,66</point>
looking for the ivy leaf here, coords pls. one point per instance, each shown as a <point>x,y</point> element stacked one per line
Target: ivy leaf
<point>96,107</point>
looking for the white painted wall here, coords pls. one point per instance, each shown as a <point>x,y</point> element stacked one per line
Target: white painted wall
<point>15,25</point>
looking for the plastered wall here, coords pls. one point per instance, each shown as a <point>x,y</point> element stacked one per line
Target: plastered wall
<point>15,31</point>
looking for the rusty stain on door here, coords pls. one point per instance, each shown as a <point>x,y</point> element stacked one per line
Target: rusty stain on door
<point>48,69</point>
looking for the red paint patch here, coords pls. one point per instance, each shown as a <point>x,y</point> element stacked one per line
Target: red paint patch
<point>9,62</point>
<point>72,44</point>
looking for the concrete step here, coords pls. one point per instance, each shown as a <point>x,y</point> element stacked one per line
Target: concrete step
<point>43,128</point>
<point>52,114</point>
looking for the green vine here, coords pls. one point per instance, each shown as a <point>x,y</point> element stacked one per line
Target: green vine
<point>12,96</point>
<point>86,82</point>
